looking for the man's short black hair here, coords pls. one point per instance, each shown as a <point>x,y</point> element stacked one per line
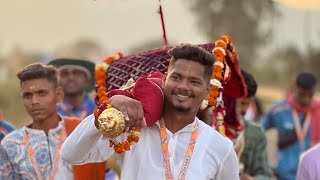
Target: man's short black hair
<point>193,53</point>
<point>251,83</point>
<point>39,71</point>
<point>306,80</point>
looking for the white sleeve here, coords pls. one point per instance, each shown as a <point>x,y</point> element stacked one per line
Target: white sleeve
<point>85,144</point>
<point>306,167</point>
<point>229,168</point>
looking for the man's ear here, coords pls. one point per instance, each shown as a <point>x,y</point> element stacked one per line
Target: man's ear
<point>164,78</point>
<point>59,94</point>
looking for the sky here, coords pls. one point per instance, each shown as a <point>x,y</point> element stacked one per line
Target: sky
<point>116,24</point>
<point>119,25</point>
<point>302,4</point>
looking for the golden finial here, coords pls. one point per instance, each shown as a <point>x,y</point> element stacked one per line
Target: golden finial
<point>220,124</point>
<point>111,123</point>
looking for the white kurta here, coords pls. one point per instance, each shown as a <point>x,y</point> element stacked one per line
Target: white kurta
<point>213,156</point>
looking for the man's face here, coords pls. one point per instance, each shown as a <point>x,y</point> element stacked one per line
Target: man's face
<point>303,96</point>
<point>244,104</point>
<point>39,97</point>
<point>185,86</point>
<point>74,81</point>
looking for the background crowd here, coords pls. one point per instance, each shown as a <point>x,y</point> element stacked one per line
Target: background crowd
<point>281,109</point>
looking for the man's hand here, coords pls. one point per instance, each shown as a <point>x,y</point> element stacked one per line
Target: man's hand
<point>131,109</point>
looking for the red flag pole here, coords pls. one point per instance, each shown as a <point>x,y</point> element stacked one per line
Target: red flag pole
<point>163,26</point>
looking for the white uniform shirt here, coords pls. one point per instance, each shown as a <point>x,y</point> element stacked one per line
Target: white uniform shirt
<point>213,156</point>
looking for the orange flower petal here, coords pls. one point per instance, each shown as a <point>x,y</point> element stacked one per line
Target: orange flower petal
<point>214,94</point>
<point>100,75</point>
<point>96,113</point>
<point>100,71</point>
<point>109,60</point>
<point>120,54</point>
<point>212,101</point>
<point>101,90</point>
<point>218,75</point>
<point>214,87</point>
<point>102,99</point>
<point>217,68</point>
<point>101,82</point>
<point>221,44</point>
<point>229,38</point>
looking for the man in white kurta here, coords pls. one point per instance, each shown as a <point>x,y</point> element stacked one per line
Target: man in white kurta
<point>185,87</point>
<point>213,156</point>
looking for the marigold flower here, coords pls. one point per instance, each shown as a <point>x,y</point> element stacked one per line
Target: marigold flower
<point>109,60</point>
<point>96,113</point>
<point>221,44</point>
<point>219,53</point>
<point>212,101</point>
<point>118,148</point>
<point>133,138</point>
<point>126,146</point>
<point>100,75</point>
<point>214,93</point>
<point>227,39</point>
<point>103,99</point>
<point>101,90</point>
<point>214,87</point>
<point>101,82</point>
<point>218,75</point>
<point>217,68</point>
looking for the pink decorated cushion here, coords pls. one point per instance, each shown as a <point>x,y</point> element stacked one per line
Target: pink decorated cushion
<point>148,91</point>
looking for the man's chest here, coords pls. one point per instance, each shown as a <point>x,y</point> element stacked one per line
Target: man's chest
<point>149,161</point>
<point>284,121</point>
<point>40,156</point>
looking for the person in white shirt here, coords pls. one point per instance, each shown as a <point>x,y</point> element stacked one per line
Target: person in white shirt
<point>194,150</point>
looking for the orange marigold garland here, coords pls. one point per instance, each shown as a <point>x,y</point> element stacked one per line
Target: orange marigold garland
<point>122,146</point>
<point>219,52</point>
<point>101,77</point>
<point>101,98</point>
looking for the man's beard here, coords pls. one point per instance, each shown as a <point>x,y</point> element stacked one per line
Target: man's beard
<point>181,109</point>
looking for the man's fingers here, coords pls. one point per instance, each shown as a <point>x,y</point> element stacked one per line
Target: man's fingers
<point>123,110</point>
<point>132,117</point>
<point>125,114</point>
<point>126,118</point>
<point>131,109</point>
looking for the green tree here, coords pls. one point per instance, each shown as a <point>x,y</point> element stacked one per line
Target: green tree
<point>282,66</point>
<point>244,20</point>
